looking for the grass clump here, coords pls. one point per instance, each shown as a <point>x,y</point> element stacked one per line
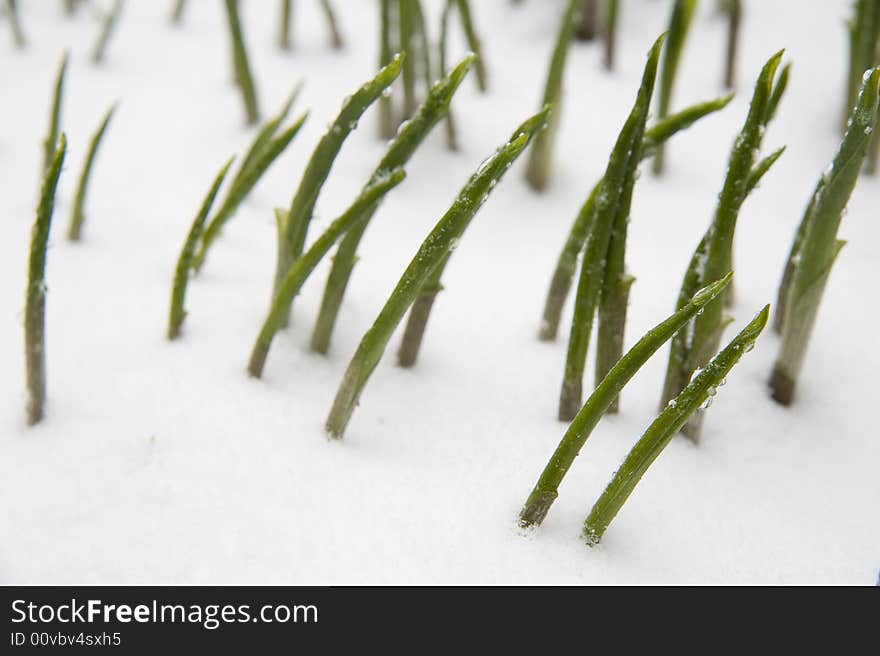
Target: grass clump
<point>293,227</point>
<point>267,146</point>
<point>177,313</point>
<point>547,488</point>
<point>541,158</point>
<point>77,217</point>
<point>35,298</point>
<point>694,346</point>
<point>566,265</point>
<point>698,393</point>
<point>241,65</point>
<point>816,246</point>
<point>603,284</point>
<point>679,25</point>
<point>433,253</point>
<point>404,145</point>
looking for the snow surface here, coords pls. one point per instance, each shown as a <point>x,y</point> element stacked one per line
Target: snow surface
<point>165,463</point>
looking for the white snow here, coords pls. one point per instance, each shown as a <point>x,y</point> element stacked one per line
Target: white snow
<point>165,463</point>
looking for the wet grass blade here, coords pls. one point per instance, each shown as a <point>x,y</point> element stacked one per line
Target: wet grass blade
<point>566,266</point>
<point>411,135</point>
<point>108,25</point>
<point>303,267</point>
<point>51,141</point>
<point>816,245</point>
<point>35,301</point>
<point>679,25</point>
<point>547,488</point>
<point>693,347</point>
<point>864,34</point>
<point>293,229</point>
<point>541,158</point>
<point>699,392</point>
<point>265,149</point>
<point>611,213</point>
<point>177,313</point>
<point>15,24</point>
<point>77,217</point>
<point>431,254</point>
<point>243,76</point>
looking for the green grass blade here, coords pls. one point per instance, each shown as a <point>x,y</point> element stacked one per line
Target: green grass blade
<point>411,135</point>
<point>433,251</point>
<point>704,336</point>
<point>547,488</point>
<point>617,184</point>
<point>541,157</point>
<point>698,393</point>
<point>78,215</point>
<point>243,76</point>
<point>451,130</point>
<point>388,13</point>
<point>761,168</point>
<point>733,9</point>
<point>108,25</point>
<point>304,266</point>
<point>245,180</point>
<point>284,24</point>
<point>679,25</point>
<point>473,41</point>
<point>814,256</point>
<point>51,141</point>
<point>177,313</point>
<point>293,231</point>
<point>778,91</point>
<point>177,12</point>
<point>35,301</point>
<point>15,24</point>
<point>336,39</point>
<point>566,266</point>
<point>612,15</point>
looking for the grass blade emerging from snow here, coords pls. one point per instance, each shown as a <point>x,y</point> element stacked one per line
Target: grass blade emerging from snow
<point>108,25</point>
<point>694,346</point>
<point>51,141</point>
<point>816,245</point>
<point>473,41</point>
<point>547,488</point>
<point>78,215</point>
<point>541,158</point>
<point>243,76</point>
<point>679,25</point>
<point>35,301</point>
<point>332,25</point>
<point>399,151</point>
<point>566,266</point>
<point>611,212</point>
<point>264,150</point>
<point>285,22</point>
<point>293,229</point>
<point>177,313</point>
<point>304,266</point>
<point>431,254</point>
<point>611,21</point>
<point>733,9</point>
<point>698,392</point>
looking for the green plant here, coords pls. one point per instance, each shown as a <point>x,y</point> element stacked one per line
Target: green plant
<point>541,157</point>
<point>303,267</point>
<point>15,24</point>
<point>292,230</point>
<point>679,25</point>
<point>602,277</point>
<point>336,39</point>
<point>108,23</point>
<point>566,265</point>
<point>733,9</point>
<point>243,76</point>
<point>286,20</point>
<point>816,246</point>
<point>698,393</point>
<point>77,217</point>
<point>177,313</point>
<point>432,253</point>
<point>263,151</point>
<point>35,298</point>
<point>177,12</point>
<point>547,488</point>
<point>694,346</point>
<point>398,153</point>
<point>51,141</point>
<point>611,21</point>
<point>864,53</point>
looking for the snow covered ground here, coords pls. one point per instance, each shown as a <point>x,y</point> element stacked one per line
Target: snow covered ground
<point>165,463</point>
